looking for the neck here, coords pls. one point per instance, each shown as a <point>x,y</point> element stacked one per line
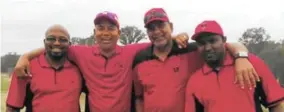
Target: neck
<point>55,63</point>
<point>107,53</point>
<point>163,52</point>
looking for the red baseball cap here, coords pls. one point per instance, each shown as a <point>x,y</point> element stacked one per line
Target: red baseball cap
<point>112,17</point>
<point>155,14</point>
<point>208,26</point>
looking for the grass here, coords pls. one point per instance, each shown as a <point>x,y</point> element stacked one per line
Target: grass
<point>5,82</point>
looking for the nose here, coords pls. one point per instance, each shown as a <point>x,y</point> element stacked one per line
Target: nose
<point>56,42</point>
<point>207,47</point>
<point>106,33</point>
<point>156,30</point>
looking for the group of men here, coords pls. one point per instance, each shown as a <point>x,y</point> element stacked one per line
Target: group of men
<point>166,75</point>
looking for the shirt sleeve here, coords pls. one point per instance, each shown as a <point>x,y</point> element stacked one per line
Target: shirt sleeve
<point>138,87</point>
<point>192,46</point>
<point>270,90</point>
<point>133,49</point>
<point>17,92</point>
<point>193,103</point>
<point>73,52</point>
<point>189,98</point>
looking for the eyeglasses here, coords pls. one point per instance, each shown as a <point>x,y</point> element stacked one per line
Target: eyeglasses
<point>154,15</point>
<point>52,39</point>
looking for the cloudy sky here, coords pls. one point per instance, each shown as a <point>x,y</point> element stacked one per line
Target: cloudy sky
<point>23,22</point>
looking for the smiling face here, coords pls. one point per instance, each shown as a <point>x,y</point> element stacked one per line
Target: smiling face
<point>106,34</point>
<point>211,46</point>
<point>159,33</point>
<point>56,42</point>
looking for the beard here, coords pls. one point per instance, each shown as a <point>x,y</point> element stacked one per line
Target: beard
<point>213,59</point>
<point>56,56</point>
<point>165,46</point>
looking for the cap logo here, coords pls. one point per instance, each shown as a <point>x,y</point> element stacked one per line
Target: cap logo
<point>154,14</point>
<point>203,26</point>
<point>105,13</point>
<point>115,17</point>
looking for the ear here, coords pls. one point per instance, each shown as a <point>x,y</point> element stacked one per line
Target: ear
<point>224,39</point>
<point>94,30</point>
<point>171,26</point>
<point>119,32</point>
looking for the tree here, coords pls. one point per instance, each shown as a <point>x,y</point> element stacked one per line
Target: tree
<point>131,34</point>
<point>78,41</point>
<point>90,40</point>
<point>257,40</point>
<point>83,41</point>
<point>9,61</point>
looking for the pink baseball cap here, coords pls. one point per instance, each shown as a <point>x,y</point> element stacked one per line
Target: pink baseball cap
<point>209,26</point>
<point>112,17</point>
<point>155,14</point>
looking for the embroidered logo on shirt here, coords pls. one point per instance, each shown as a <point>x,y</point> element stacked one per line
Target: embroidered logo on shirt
<point>176,69</point>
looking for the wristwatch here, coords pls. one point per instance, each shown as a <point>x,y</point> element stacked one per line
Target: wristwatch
<point>242,54</point>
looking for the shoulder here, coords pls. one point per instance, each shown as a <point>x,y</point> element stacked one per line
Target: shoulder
<point>255,60</point>
<point>141,56</point>
<point>196,77</point>
<point>137,46</point>
<point>79,47</point>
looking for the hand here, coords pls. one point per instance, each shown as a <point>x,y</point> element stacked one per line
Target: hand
<point>22,68</point>
<point>182,40</point>
<point>246,73</point>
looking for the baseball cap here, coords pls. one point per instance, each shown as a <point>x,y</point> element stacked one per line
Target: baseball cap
<point>155,14</point>
<point>208,26</point>
<point>112,17</point>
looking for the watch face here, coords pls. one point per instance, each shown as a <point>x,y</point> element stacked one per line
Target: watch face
<point>243,54</point>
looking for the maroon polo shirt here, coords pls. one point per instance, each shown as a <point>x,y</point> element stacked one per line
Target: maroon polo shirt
<point>109,80</point>
<point>213,91</point>
<point>52,89</point>
<point>161,84</point>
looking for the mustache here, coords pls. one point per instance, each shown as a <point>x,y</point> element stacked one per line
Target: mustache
<point>209,55</point>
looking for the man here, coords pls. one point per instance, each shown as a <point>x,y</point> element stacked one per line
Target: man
<point>210,89</point>
<point>162,69</point>
<point>106,67</point>
<point>56,83</point>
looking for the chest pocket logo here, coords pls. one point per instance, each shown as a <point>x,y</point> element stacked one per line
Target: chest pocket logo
<point>117,67</point>
<point>149,89</point>
<point>176,69</point>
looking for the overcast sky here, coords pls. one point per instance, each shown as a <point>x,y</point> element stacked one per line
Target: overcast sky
<point>23,22</point>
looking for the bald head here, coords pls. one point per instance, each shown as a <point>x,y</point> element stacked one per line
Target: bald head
<point>57,28</point>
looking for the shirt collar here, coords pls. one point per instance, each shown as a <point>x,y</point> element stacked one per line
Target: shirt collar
<point>43,62</point>
<point>174,51</point>
<point>97,51</point>
<point>229,60</point>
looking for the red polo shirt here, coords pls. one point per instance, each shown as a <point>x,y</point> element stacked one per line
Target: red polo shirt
<point>162,83</point>
<point>53,90</point>
<point>213,91</point>
<point>109,80</point>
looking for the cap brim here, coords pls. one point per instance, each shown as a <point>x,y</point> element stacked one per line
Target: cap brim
<point>155,19</point>
<point>194,36</point>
